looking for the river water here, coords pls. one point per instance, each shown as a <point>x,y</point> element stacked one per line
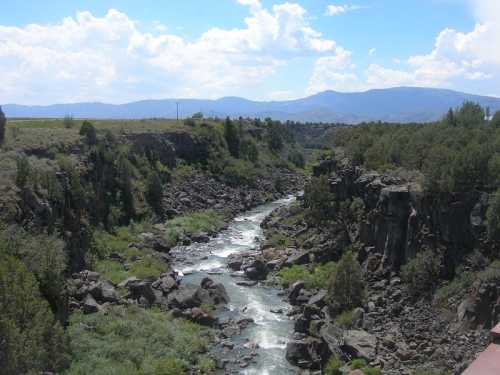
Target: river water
<point>271,331</point>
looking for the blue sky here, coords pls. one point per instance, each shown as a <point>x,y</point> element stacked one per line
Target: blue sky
<point>118,51</point>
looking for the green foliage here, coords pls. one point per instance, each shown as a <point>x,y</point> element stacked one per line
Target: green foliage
<point>333,366</point>
<point>154,192</point>
<point>3,126</point>
<point>23,171</point>
<point>131,340</point>
<point>68,122</point>
<point>43,255</point>
<point>454,154</point>
<point>275,136</point>
<point>421,274</point>
<point>297,159</point>
<point>319,200</point>
<point>470,114</point>
<point>232,136</point>
<point>88,131</point>
<point>249,150</point>
<point>345,319</point>
<point>239,172</point>
<point>491,273</point>
<point>495,121</point>
<point>368,370</point>
<point>347,287</point>
<point>493,217</point>
<point>315,276</point>
<point>208,221</point>
<point>31,339</point>
<point>462,282</point>
<point>358,363</point>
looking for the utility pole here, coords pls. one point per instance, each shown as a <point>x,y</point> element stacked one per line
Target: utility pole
<point>177,104</point>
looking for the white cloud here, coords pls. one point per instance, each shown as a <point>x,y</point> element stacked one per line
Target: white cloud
<point>335,10</point>
<point>111,59</point>
<point>460,60</point>
<point>372,51</point>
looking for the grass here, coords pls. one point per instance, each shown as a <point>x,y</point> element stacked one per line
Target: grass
<point>458,285</point>
<point>131,340</point>
<point>140,263</point>
<point>207,221</point>
<point>314,276</point>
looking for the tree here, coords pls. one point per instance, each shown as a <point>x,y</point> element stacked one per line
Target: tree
<point>275,138</point>
<point>249,150</point>
<point>493,217</point>
<point>347,287</point>
<point>88,131</point>
<point>23,171</point>
<point>449,119</point>
<point>68,121</point>
<point>421,274</point>
<point>232,137</point>
<point>3,125</point>
<point>318,199</point>
<point>31,340</point>
<point>495,121</point>
<point>470,114</point>
<point>154,192</point>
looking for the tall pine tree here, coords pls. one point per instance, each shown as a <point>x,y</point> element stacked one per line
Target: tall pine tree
<point>3,125</point>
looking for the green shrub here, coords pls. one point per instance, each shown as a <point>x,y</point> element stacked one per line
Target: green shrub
<point>31,340</point>
<point>23,171</point>
<point>368,370</point>
<point>319,200</point>
<point>333,366</point>
<point>345,319</point>
<point>154,192</point>
<point>232,136</point>
<point>347,287</point>
<point>297,159</point>
<point>421,274</point>
<point>88,131</point>
<point>131,340</point>
<point>493,217</point>
<point>358,363</point>
<point>313,276</point>
<point>239,172</point>
<point>3,125</point>
<point>462,281</point>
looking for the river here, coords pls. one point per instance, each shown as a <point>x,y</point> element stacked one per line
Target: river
<point>271,331</point>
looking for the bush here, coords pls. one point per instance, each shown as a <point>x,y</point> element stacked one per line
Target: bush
<point>318,199</point>
<point>333,366</point>
<point>88,131</point>
<point>358,363</point>
<point>297,159</point>
<point>313,276</point>
<point>493,218</point>
<point>421,274</point>
<point>68,122</point>
<point>31,340</point>
<point>154,192</point>
<point>462,281</point>
<point>131,340</point>
<point>239,172</point>
<point>249,150</point>
<point>345,319</point>
<point>23,171</point>
<point>347,287</point>
<point>232,136</point>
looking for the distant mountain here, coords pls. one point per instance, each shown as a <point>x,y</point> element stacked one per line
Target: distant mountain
<point>401,104</point>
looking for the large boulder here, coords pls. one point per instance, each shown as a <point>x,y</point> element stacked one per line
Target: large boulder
<point>104,291</point>
<point>305,353</point>
<point>255,269</point>
<point>360,344</point>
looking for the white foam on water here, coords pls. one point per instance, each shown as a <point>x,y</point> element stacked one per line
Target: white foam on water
<point>225,252</point>
<point>210,265</point>
<point>246,238</point>
<point>269,341</point>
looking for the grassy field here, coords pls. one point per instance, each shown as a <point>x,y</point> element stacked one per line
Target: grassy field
<point>39,133</point>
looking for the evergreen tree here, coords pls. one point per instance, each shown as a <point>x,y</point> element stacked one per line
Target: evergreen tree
<point>31,340</point>
<point>231,134</point>
<point>88,131</point>
<point>495,121</point>
<point>347,287</point>
<point>3,125</point>
<point>154,192</point>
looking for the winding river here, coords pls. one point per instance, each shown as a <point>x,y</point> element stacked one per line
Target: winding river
<point>271,331</point>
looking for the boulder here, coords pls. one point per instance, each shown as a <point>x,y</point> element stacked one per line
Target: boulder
<point>295,290</point>
<point>255,269</point>
<point>186,296</point>
<point>359,344</point>
<point>104,291</point>
<point>90,305</point>
<point>142,292</point>
<point>235,261</point>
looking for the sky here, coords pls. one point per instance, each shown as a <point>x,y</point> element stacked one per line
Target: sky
<point>60,51</point>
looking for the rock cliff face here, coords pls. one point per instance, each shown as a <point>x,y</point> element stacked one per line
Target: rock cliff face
<point>401,219</point>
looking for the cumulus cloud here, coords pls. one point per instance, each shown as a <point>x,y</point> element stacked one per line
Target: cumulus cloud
<point>335,10</point>
<point>458,60</point>
<point>110,58</point>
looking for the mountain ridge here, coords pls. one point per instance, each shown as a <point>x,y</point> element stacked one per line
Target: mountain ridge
<point>398,104</point>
